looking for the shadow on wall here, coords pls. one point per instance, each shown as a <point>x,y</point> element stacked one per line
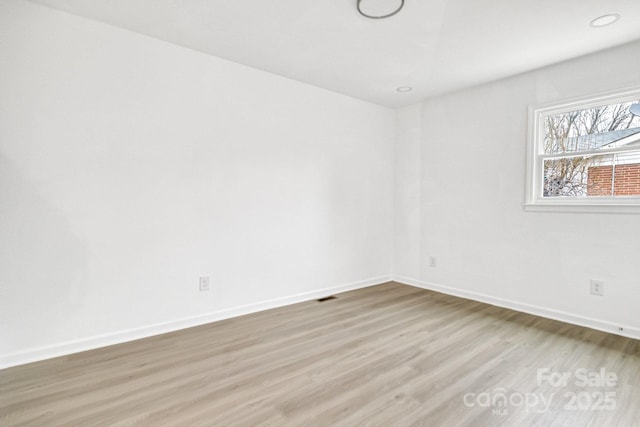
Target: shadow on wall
<point>43,265</point>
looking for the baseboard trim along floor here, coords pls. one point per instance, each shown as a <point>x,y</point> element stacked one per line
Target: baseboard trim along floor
<point>574,319</point>
<point>90,343</point>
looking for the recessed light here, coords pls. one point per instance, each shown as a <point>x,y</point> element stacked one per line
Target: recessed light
<point>604,20</point>
<point>402,89</point>
<point>379,9</point>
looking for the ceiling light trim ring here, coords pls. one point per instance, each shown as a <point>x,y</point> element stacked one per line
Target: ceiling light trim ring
<point>381,16</point>
<point>605,20</point>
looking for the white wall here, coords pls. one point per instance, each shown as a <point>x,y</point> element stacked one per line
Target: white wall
<point>470,206</point>
<point>407,195</point>
<point>129,167</point>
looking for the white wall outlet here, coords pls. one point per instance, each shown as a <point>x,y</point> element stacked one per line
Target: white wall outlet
<point>432,261</point>
<point>597,287</point>
<point>204,283</point>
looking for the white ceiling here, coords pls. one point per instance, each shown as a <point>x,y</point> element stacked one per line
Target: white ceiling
<point>434,46</point>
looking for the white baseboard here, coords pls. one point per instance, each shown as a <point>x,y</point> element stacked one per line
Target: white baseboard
<point>90,343</point>
<point>601,325</point>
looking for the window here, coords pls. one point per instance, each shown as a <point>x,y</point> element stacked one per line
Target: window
<point>584,155</point>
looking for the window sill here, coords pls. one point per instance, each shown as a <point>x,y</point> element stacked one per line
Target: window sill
<point>583,208</point>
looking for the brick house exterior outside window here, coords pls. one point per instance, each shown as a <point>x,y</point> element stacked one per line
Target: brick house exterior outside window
<point>621,180</point>
<point>627,180</point>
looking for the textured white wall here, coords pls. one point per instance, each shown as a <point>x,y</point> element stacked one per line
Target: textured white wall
<point>472,183</point>
<point>129,167</point>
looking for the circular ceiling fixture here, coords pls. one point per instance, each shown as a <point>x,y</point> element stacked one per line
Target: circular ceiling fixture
<point>404,89</point>
<point>379,9</point>
<point>604,20</point>
<point>635,109</point>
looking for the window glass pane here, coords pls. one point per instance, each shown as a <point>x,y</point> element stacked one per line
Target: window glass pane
<point>579,176</point>
<point>603,127</point>
<point>593,176</point>
<point>626,174</point>
<point>600,178</point>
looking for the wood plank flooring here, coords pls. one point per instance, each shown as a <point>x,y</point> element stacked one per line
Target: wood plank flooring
<point>389,355</point>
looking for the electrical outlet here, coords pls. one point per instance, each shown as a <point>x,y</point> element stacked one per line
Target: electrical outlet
<point>204,283</point>
<point>432,261</point>
<point>597,287</point>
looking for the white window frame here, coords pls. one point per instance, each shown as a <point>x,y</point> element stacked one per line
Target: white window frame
<point>534,201</point>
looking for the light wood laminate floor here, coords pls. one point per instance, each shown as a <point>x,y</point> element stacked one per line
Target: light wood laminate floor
<point>389,355</point>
